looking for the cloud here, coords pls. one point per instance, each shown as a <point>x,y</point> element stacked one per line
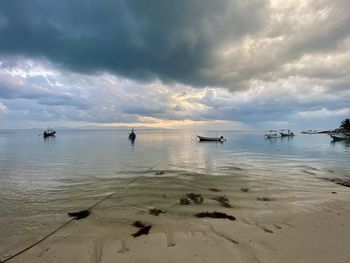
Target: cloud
<point>159,39</point>
<point>3,108</point>
<point>251,62</point>
<point>200,43</point>
<point>48,93</point>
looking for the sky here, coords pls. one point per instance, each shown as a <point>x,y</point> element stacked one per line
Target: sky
<point>196,64</point>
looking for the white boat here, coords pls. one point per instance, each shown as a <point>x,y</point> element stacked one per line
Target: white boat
<point>286,133</point>
<point>272,134</point>
<point>310,132</point>
<point>340,136</point>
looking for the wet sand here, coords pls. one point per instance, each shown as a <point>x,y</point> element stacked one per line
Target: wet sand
<point>276,224</point>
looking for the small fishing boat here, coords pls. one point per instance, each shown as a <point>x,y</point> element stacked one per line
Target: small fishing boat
<point>49,132</point>
<point>272,134</point>
<point>310,132</point>
<point>132,135</point>
<point>286,134</point>
<point>211,139</point>
<point>340,136</point>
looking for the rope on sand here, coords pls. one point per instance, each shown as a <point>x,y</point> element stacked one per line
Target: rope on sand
<point>123,187</point>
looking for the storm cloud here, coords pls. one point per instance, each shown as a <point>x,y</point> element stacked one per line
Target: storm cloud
<point>132,61</point>
<point>170,40</point>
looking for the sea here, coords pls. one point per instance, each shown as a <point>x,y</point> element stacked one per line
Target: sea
<point>41,180</point>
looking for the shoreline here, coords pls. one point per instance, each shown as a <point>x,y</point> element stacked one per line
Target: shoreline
<point>285,229</point>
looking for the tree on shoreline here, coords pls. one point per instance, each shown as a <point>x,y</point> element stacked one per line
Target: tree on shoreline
<point>345,124</point>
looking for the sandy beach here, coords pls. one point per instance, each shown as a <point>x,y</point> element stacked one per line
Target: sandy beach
<point>298,226</point>
<point>188,131</point>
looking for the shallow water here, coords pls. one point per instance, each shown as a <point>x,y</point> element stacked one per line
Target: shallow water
<point>41,180</point>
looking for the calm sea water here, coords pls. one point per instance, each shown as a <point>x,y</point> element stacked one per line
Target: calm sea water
<point>41,180</point>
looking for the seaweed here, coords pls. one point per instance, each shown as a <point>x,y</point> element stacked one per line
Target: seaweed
<point>215,215</point>
<point>184,201</point>
<point>191,198</point>
<point>195,198</point>
<point>223,201</point>
<point>138,224</point>
<point>267,230</point>
<point>343,182</point>
<point>160,173</point>
<point>214,190</point>
<point>80,215</point>
<point>144,229</point>
<point>246,190</point>
<point>155,211</point>
<point>308,172</point>
<point>265,199</point>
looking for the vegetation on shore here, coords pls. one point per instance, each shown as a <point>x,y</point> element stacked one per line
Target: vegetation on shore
<point>345,125</point>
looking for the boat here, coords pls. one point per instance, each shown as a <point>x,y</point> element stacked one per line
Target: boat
<point>310,132</point>
<point>211,139</point>
<point>340,136</point>
<point>286,134</point>
<point>272,134</point>
<point>49,132</point>
<point>132,135</point>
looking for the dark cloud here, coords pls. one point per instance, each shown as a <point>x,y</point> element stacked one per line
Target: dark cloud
<point>171,40</point>
<point>135,61</point>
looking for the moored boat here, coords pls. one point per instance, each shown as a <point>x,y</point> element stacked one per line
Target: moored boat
<point>272,134</point>
<point>132,135</point>
<point>286,134</point>
<point>49,132</point>
<point>340,136</point>
<point>211,139</point>
<point>310,132</point>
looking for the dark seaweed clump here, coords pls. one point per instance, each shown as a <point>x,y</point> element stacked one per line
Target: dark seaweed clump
<point>195,198</point>
<point>223,201</point>
<point>245,189</point>
<point>192,198</point>
<point>79,215</point>
<point>214,190</point>
<point>343,182</point>
<point>184,201</point>
<point>155,211</point>
<point>144,229</point>
<point>215,215</point>
<point>265,199</point>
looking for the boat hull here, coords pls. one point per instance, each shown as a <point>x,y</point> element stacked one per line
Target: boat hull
<point>132,136</point>
<point>340,137</point>
<point>49,134</point>
<point>287,134</point>
<point>210,139</point>
<point>270,136</point>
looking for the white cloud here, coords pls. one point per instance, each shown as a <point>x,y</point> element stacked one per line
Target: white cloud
<point>3,108</point>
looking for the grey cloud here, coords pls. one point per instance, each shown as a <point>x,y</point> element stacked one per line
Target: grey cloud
<point>288,51</point>
<point>170,40</point>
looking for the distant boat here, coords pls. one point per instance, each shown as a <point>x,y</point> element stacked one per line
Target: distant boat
<point>272,134</point>
<point>310,132</point>
<point>211,139</point>
<point>340,136</point>
<point>132,135</point>
<point>49,132</point>
<point>286,134</point>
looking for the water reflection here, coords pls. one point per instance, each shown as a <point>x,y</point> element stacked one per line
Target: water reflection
<point>49,139</point>
<point>344,143</point>
<point>272,141</point>
<point>132,141</point>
